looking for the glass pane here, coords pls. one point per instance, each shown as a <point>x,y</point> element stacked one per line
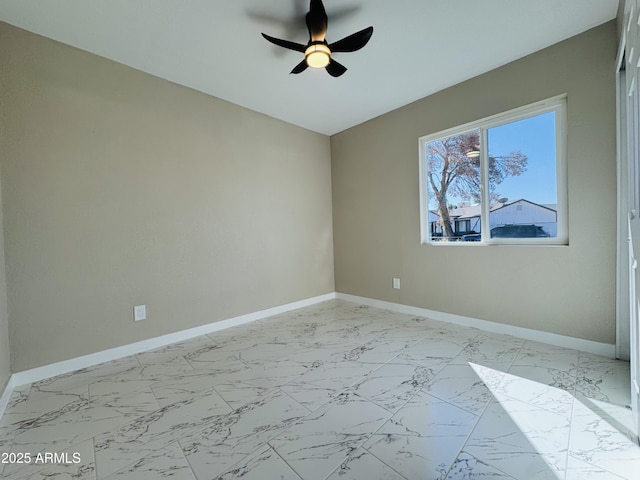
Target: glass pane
<point>522,178</point>
<point>453,187</point>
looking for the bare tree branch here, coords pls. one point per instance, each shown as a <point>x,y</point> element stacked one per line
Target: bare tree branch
<point>458,174</point>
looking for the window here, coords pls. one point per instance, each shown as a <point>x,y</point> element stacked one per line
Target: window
<point>462,226</point>
<point>500,180</point>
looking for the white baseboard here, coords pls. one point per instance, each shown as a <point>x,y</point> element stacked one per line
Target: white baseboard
<point>67,366</point>
<point>604,349</point>
<point>73,364</point>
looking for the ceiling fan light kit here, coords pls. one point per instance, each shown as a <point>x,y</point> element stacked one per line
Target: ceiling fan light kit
<point>317,52</point>
<point>317,55</point>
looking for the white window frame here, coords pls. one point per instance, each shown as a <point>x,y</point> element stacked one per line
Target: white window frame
<point>556,104</point>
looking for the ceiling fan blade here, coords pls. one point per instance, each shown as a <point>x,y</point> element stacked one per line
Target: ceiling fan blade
<point>353,42</point>
<point>285,43</point>
<point>301,67</point>
<point>317,21</point>
<point>335,69</point>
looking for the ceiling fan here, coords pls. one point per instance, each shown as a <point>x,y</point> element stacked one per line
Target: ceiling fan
<point>317,52</point>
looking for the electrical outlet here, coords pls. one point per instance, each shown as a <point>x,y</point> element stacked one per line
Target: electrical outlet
<point>139,313</point>
<point>396,283</point>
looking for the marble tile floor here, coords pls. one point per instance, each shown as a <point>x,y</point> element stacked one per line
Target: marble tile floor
<point>334,391</point>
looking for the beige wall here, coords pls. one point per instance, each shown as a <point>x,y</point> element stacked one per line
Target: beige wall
<point>122,189</point>
<point>566,290</point>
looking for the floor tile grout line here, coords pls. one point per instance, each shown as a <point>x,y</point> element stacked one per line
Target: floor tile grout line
<point>382,461</point>
<point>481,461</point>
<point>338,393</point>
<point>475,425</point>
<point>362,446</point>
<point>167,442</point>
<point>95,463</point>
<point>571,433</point>
<point>225,402</point>
<point>281,458</point>
<point>186,457</point>
<point>479,417</point>
<point>302,405</point>
<point>240,461</point>
<point>193,472</point>
<point>595,466</point>
<point>571,430</point>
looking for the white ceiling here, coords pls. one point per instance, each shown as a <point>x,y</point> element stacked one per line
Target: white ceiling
<point>214,46</point>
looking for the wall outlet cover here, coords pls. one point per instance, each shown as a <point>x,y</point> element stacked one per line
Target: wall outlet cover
<point>139,313</point>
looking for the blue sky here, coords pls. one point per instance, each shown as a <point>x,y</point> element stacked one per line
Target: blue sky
<point>534,137</point>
